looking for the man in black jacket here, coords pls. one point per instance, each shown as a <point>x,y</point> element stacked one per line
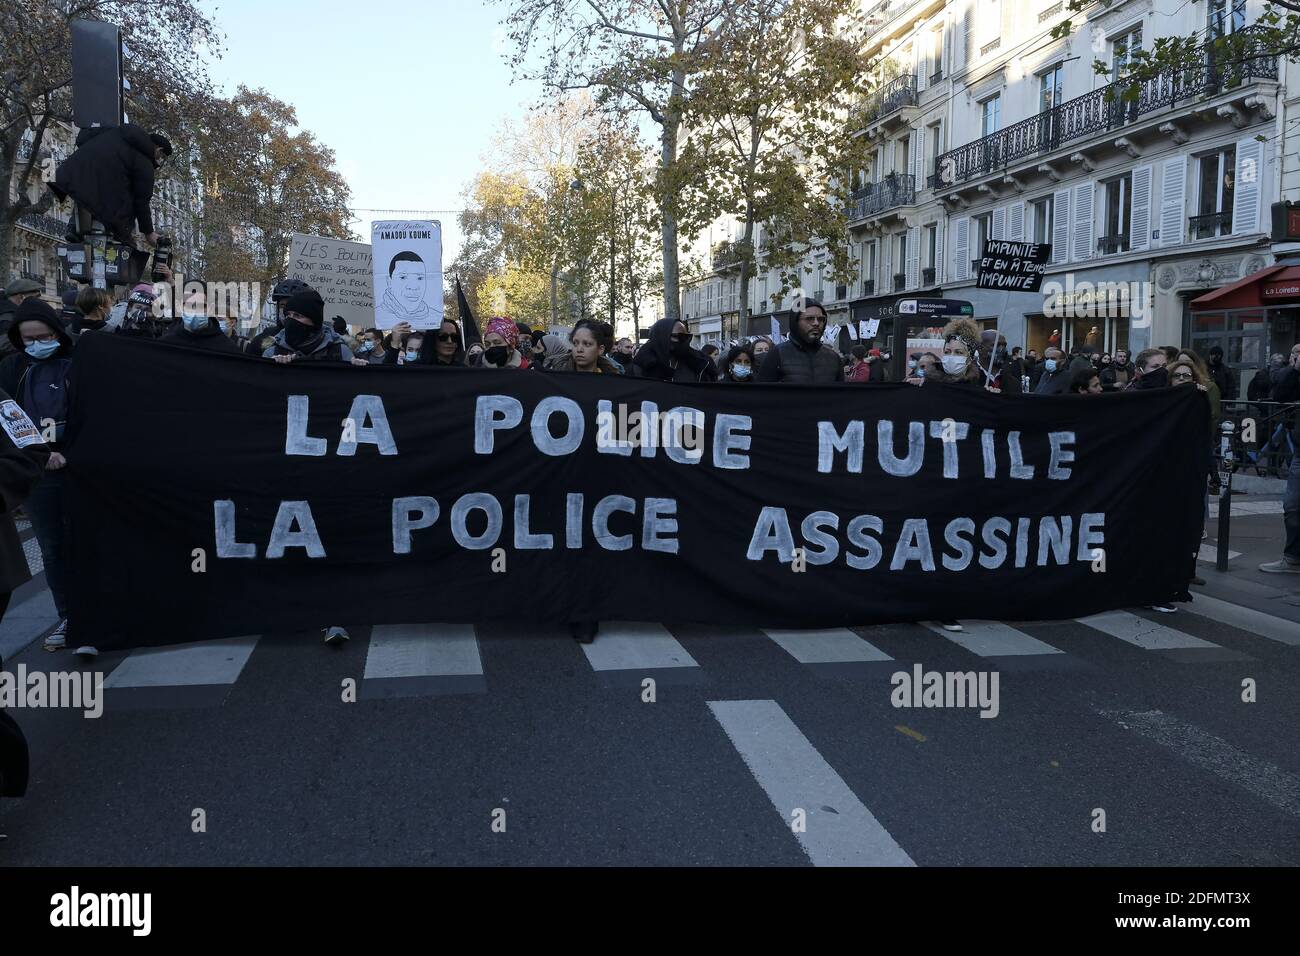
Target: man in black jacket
<point>197,330</point>
<point>802,359</point>
<point>1223,376</point>
<point>111,176</point>
<point>23,454</point>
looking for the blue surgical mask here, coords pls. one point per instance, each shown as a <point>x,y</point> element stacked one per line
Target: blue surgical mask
<point>368,345</point>
<point>195,322</point>
<point>1050,365</point>
<point>741,371</point>
<point>412,355</point>
<point>43,350</point>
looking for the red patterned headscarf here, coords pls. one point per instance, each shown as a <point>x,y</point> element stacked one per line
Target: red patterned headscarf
<point>504,328</point>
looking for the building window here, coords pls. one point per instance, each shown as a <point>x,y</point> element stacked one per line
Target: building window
<point>1122,49</point>
<point>983,226</point>
<point>991,114</point>
<point>869,277</point>
<point>1051,89</point>
<point>900,277</point>
<point>1119,199</point>
<point>936,54</point>
<point>1216,180</point>
<point>1225,16</point>
<point>1042,220</point>
<point>936,147</point>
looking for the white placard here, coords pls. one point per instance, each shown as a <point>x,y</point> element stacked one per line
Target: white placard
<point>408,273</point>
<point>340,271</point>
<point>868,328</point>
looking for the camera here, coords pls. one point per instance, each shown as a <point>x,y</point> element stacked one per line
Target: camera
<point>162,259</point>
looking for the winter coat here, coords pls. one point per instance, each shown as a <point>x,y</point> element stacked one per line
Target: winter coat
<point>859,373</point>
<point>326,347</point>
<point>1052,383</point>
<point>17,368</point>
<point>655,359</point>
<point>111,174</point>
<point>1114,377</point>
<point>23,454</point>
<point>797,361</point>
<point>1226,379</point>
<point>564,363</point>
<point>211,339</point>
<point>1260,384</point>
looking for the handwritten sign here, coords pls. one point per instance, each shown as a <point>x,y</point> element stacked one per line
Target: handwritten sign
<point>340,271</point>
<point>1013,266</point>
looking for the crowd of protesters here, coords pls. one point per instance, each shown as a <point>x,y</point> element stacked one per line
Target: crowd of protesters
<point>40,343</point>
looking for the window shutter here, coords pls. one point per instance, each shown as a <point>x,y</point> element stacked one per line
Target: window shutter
<point>999,225</point>
<point>1173,201</point>
<point>913,257</point>
<point>961,248</point>
<point>1060,226</point>
<point>914,145</point>
<point>1082,225</point>
<point>1247,192</point>
<point>939,238</point>
<point>1139,230</point>
<point>968,23</point>
<point>1016,222</point>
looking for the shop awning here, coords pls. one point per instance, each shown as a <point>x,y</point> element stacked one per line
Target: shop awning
<point>1260,290</point>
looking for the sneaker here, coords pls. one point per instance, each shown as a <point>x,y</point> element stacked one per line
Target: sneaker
<point>87,652</point>
<point>951,626</point>
<point>1284,566</point>
<point>57,639</point>
<point>335,636</point>
<point>1164,608</point>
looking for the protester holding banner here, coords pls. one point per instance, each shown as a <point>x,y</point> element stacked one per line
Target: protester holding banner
<point>500,347</point>
<point>37,376</point>
<point>370,347</point>
<point>1085,382</point>
<point>622,354</point>
<point>667,356</point>
<point>305,337</point>
<point>447,347</point>
<point>409,352</point>
<point>802,359</point>
<point>738,368</point>
<point>961,339</point>
<point>589,345</point>
<point>196,330</point>
<point>93,306</point>
<point>1151,371</point>
<point>1055,377</point>
<point>548,351</point>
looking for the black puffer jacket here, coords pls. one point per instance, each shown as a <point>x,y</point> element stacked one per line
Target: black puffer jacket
<point>111,174</point>
<point>796,361</point>
<point>210,339</point>
<point>655,359</point>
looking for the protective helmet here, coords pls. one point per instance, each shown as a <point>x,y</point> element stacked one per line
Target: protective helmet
<point>287,288</point>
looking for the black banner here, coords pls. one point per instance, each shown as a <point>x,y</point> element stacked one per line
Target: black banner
<point>218,495</point>
<point>1013,266</point>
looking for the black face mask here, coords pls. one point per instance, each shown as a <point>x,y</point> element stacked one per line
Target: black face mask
<point>680,347</point>
<point>1157,378</point>
<point>496,355</point>
<point>297,334</point>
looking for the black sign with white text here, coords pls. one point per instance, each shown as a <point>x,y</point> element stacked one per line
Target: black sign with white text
<point>1013,266</point>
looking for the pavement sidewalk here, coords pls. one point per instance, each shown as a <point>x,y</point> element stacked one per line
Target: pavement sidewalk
<point>1256,535</point>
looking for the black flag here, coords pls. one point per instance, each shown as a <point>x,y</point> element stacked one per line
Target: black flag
<point>468,327</point>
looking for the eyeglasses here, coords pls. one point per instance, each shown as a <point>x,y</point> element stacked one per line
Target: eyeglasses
<point>44,337</point>
<point>445,337</point>
<point>1182,376</point>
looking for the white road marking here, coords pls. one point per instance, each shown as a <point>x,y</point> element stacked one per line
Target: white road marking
<point>1209,553</point>
<point>422,650</point>
<point>184,665</point>
<point>834,646</point>
<point>840,830</point>
<point>1247,619</point>
<point>626,646</point>
<point>1263,779</point>
<point>994,639</point>
<point>1142,633</point>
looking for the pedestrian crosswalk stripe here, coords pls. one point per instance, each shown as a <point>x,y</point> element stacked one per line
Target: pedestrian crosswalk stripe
<point>1247,619</point>
<point>993,639</point>
<point>837,828</point>
<point>834,646</point>
<point>626,646</point>
<point>1142,633</point>
<point>184,665</point>
<point>414,660</point>
<point>1263,779</point>
<point>1209,553</point>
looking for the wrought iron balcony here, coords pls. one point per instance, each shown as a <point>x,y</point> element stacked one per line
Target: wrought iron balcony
<point>900,281</point>
<point>927,276</point>
<point>45,225</point>
<point>936,77</point>
<point>894,190</point>
<point>1093,114</point>
<point>893,96</point>
<point>1211,225</point>
<point>1109,245</point>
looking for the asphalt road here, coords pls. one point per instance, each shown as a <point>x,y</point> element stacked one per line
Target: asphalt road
<point>493,745</point>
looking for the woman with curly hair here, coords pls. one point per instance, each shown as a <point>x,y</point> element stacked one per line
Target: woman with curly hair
<point>961,342</point>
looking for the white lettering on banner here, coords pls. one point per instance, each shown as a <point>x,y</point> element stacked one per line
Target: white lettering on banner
<point>863,549</point>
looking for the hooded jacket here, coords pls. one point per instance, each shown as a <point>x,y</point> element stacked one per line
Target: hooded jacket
<point>326,347</point>
<point>210,338</point>
<point>111,174</point>
<point>655,359</point>
<point>18,372</point>
<point>798,361</point>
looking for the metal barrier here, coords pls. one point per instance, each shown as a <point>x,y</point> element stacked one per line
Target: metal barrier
<point>1261,439</point>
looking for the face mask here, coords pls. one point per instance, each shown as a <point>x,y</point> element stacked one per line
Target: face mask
<point>920,372</point>
<point>955,364</point>
<point>297,334</point>
<point>412,355</point>
<point>680,347</point>
<point>741,371</point>
<point>1050,365</point>
<point>911,366</point>
<point>1156,378</point>
<point>42,350</point>
<point>368,345</point>
<point>496,355</point>
<point>193,322</point>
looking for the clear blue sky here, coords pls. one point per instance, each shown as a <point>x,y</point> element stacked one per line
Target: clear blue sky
<point>408,93</point>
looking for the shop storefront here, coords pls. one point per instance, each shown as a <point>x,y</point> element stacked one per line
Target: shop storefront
<point>1250,320</point>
